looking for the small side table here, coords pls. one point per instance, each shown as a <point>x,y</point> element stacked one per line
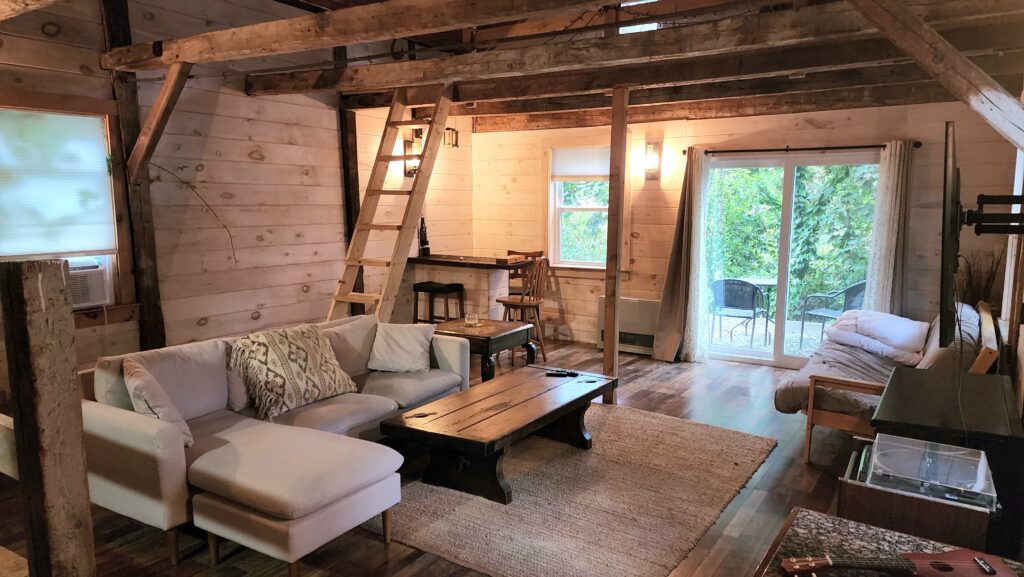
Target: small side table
<point>489,338</point>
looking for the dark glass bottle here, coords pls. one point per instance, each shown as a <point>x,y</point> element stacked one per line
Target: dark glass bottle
<point>424,242</point>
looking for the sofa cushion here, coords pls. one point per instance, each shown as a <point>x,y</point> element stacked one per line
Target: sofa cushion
<point>411,389</point>
<point>352,339</point>
<point>288,368</point>
<point>966,338</point>
<point>401,348</point>
<point>286,472</point>
<point>150,399</point>
<point>340,414</point>
<point>193,375</point>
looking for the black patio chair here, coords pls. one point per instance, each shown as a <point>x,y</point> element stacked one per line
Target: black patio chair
<point>827,306</point>
<point>735,298</point>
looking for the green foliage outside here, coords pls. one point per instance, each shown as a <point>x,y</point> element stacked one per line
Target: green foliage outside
<point>584,234</point>
<point>832,220</point>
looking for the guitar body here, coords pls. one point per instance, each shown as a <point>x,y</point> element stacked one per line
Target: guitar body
<point>958,563</point>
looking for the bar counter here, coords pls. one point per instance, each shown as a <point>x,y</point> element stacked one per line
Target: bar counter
<point>484,277</point>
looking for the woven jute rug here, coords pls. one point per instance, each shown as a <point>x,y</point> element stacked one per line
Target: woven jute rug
<point>633,506</point>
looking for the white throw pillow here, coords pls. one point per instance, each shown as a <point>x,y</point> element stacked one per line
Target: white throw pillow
<point>149,398</point>
<point>401,348</point>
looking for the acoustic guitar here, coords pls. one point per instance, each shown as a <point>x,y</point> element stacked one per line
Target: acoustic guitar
<point>956,563</point>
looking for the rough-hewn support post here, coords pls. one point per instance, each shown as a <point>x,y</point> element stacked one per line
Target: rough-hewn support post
<point>140,209</point>
<point>616,200</point>
<point>348,148</point>
<point>47,407</point>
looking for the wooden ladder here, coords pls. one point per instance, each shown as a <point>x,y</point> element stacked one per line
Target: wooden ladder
<point>394,266</point>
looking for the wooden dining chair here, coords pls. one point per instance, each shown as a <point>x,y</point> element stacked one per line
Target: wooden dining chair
<point>517,277</point>
<point>525,307</point>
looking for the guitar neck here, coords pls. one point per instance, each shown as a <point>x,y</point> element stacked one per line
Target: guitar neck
<point>888,564</point>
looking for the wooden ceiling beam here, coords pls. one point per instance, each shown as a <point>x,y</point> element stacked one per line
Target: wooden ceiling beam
<point>786,62</point>
<point>963,78</point>
<point>765,105</point>
<point>11,8</point>
<point>814,24</point>
<point>354,25</point>
<point>890,75</point>
<point>624,16</point>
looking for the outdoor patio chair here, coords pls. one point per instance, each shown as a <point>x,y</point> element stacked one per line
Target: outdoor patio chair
<point>820,305</point>
<point>735,298</point>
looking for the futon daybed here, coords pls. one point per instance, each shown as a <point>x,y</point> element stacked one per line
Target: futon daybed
<point>841,385</point>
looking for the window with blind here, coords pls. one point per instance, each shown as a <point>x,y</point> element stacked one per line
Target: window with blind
<point>578,234</point>
<point>56,198</point>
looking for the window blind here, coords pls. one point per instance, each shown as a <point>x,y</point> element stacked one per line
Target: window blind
<point>580,163</point>
<point>55,188</point>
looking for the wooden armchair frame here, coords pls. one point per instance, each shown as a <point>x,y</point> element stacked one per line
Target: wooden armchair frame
<point>842,421</point>
<point>988,354</point>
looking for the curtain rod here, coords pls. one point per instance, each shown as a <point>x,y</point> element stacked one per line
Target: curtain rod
<point>917,144</point>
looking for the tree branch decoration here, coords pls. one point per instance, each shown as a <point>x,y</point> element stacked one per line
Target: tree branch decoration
<point>195,191</point>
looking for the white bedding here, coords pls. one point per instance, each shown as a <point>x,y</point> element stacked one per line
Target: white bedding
<point>897,332</point>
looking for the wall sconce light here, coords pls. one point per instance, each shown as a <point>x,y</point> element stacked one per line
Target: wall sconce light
<point>451,137</point>
<point>413,147</point>
<point>652,161</point>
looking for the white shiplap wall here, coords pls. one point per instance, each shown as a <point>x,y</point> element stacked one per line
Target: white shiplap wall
<point>510,193</point>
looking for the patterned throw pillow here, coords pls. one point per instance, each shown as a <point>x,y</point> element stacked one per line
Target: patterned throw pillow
<point>289,368</point>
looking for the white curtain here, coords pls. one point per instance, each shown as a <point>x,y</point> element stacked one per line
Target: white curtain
<point>683,329</point>
<point>888,235</point>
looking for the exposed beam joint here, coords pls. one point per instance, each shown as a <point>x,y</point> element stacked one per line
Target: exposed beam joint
<point>785,62</point>
<point>963,78</point>
<point>149,137</point>
<point>346,26</point>
<point>12,8</point>
<point>789,103</point>
<point>812,25</point>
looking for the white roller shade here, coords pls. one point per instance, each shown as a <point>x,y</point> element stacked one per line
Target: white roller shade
<point>580,163</point>
<point>55,188</point>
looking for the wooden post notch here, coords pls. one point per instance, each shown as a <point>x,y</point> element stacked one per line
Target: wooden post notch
<point>47,407</point>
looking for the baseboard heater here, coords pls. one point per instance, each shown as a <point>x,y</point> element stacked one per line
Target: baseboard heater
<point>638,321</point>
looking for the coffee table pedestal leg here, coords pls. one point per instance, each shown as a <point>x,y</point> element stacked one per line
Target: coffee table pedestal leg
<point>470,474</point>
<point>570,429</point>
<point>486,367</point>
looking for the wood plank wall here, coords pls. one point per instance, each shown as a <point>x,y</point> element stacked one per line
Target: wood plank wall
<point>511,193</point>
<point>261,174</point>
<point>56,50</point>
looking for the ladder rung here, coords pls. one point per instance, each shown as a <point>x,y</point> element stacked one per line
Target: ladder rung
<point>383,192</point>
<point>414,122</point>
<point>399,157</point>
<point>379,262</point>
<point>363,298</point>
<point>378,227</point>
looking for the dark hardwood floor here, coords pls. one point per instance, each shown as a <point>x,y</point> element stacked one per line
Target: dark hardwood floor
<point>731,395</point>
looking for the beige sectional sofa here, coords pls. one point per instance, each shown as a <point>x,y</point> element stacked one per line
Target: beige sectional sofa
<point>283,488</point>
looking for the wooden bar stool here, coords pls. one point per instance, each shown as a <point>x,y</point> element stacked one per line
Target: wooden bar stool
<point>433,290</point>
<point>525,307</point>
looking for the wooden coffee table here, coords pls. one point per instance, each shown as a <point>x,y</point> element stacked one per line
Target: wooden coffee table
<point>489,338</point>
<point>469,432</point>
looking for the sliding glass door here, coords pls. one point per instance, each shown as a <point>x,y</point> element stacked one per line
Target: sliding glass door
<point>787,240</point>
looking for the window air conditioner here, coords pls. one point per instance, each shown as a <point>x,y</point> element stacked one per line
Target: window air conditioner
<point>90,282</point>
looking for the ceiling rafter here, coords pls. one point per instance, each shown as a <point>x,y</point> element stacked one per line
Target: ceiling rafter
<point>355,25</point>
<point>811,25</point>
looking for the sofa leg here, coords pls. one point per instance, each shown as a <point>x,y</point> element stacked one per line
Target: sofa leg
<point>385,518</point>
<point>211,540</point>
<point>807,443</point>
<point>172,545</point>
<point>293,569</point>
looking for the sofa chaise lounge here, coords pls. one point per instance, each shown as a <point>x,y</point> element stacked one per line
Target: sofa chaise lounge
<point>283,488</point>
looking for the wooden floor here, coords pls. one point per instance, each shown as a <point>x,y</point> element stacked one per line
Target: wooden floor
<point>731,395</point>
